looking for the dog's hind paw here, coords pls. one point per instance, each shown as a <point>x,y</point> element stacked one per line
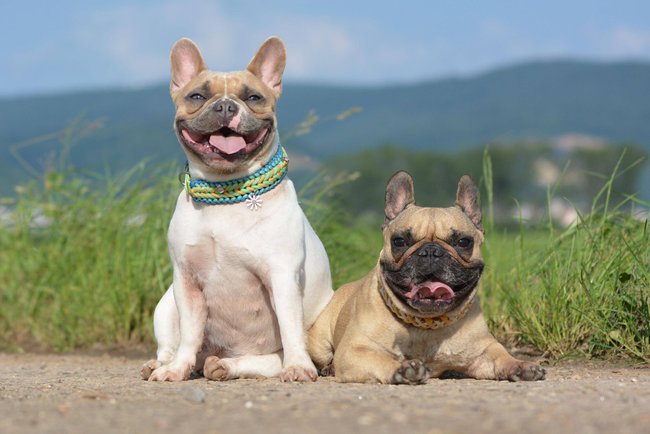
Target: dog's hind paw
<point>524,371</point>
<point>411,372</point>
<point>215,369</point>
<point>148,368</point>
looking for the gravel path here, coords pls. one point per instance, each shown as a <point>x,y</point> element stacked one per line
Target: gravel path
<point>93,394</point>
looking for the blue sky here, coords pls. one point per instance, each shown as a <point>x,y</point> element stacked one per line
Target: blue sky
<point>55,46</point>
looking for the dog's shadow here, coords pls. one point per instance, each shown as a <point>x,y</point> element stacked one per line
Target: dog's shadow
<point>453,375</point>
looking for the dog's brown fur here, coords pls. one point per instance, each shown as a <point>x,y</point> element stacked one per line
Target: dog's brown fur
<point>361,340</point>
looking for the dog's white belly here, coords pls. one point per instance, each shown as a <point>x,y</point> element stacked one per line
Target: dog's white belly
<point>241,318</point>
<point>235,253</point>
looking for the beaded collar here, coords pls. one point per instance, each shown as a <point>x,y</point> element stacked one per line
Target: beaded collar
<point>247,189</point>
<point>426,322</point>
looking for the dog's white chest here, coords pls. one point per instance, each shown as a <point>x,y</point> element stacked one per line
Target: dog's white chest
<point>231,250</point>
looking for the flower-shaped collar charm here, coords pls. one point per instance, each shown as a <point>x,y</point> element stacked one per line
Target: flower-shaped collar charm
<point>254,202</point>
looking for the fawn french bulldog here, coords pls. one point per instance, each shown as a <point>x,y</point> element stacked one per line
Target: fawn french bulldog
<point>416,315</point>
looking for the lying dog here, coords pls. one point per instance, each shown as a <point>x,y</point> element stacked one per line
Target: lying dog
<point>250,274</point>
<point>416,314</point>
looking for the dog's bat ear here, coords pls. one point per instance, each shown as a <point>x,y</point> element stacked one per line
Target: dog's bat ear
<point>186,63</point>
<point>268,63</point>
<point>399,194</point>
<point>467,200</point>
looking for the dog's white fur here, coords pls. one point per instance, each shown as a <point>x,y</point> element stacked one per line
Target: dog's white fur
<point>246,287</point>
<point>264,277</point>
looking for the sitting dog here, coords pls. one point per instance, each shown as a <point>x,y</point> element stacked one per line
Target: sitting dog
<point>416,314</point>
<point>249,273</point>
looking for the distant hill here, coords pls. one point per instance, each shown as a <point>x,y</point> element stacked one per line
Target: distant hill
<point>533,100</point>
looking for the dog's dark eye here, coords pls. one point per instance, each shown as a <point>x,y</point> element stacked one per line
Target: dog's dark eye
<point>253,97</point>
<point>398,242</point>
<point>465,243</point>
<point>197,97</point>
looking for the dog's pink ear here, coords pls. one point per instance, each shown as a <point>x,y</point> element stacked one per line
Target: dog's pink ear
<point>186,63</point>
<point>399,194</point>
<point>467,200</point>
<point>268,63</point>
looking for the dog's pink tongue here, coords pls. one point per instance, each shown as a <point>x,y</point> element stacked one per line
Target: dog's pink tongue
<point>435,290</point>
<point>228,145</point>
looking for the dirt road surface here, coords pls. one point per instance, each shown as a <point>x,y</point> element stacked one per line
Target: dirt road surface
<point>104,394</point>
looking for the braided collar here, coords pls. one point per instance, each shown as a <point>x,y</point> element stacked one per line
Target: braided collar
<point>247,189</point>
<point>427,322</point>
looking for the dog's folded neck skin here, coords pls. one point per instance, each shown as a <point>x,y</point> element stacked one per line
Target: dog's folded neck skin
<point>225,122</point>
<point>431,264</point>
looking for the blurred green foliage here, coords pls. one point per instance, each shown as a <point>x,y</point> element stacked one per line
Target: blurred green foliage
<point>519,172</point>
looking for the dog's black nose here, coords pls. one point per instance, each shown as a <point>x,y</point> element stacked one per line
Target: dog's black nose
<point>225,107</point>
<point>431,249</point>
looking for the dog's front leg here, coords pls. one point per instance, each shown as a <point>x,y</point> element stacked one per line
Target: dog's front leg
<point>359,363</point>
<point>287,299</point>
<point>192,313</point>
<point>495,363</point>
<point>166,330</point>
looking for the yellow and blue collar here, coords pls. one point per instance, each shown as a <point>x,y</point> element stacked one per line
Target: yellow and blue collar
<point>247,189</point>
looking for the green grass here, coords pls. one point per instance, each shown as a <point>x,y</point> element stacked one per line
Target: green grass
<point>580,291</point>
<point>94,274</point>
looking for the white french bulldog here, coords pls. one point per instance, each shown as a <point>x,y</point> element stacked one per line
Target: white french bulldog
<point>250,274</point>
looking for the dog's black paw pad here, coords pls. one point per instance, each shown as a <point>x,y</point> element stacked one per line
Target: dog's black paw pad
<point>327,370</point>
<point>411,372</point>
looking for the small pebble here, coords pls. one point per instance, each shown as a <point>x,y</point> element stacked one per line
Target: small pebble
<point>194,394</point>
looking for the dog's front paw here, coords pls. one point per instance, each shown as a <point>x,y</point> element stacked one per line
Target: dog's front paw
<point>523,371</point>
<point>298,373</point>
<point>148,368</point>
<point>327,370</point>
<point>170,372</point>
<point>216,369</point>
<point>411,372</point>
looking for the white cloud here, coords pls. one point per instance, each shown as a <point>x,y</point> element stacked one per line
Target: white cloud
<point>318,47</point>
<point>619,42</point>
<point>626,41</point>
<point>135,39</point>
<point>129,38</point>
<point>128,43</point>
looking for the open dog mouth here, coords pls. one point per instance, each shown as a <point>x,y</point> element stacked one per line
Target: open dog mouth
<point>224,143</point>
<point>430,291</point>
<point>434,295</point>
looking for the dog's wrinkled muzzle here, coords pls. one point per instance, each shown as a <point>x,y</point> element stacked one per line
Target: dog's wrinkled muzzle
<point>415,249</point>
